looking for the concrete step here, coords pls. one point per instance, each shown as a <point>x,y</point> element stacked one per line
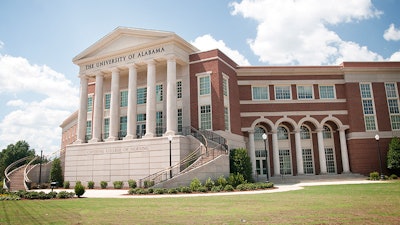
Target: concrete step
<point>17,180</point>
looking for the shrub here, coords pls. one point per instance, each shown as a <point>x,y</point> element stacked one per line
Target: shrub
<point>90,184</point>
<point>158,191</point>
<point>56,173</point>
<point>172,191</point>
<point>217,188</point>
<point>185,189</point>
<point>1,187</point>
<point>374,176</point>
<point>103,184</point>
<point>148,183</point>
<point>64,194</point>
<point>150,190</point>
<point>229,187</point>
<point>132,183</point>
<point>132,191</point>
<point>236,179</point>
<point>195,184</point>
<point>66,184</point>
<point>240,162</point>
<point>79,189</point>
<point>118,184</point>
<point>221,181</point>
<point>264,185</point>
<point>209,184</point>
<point>202,189</point>
<point>393,177</point>
<point>52,194</point>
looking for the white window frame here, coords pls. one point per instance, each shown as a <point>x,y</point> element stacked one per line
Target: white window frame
<point>254,97</point>
<point>105,101</point>
<point>333,91</point>
<point>139,98</point>
<point>370,125</point>
<point>90,101</point>
<point>159,92</point>
<point>201,122</point>
<point>123,98</point>
<point>179,89</point>
<point>282,86</point>
<point>305,86</point>
<point>227,119</point>
<point>206,90</point>
<point>394,110</point>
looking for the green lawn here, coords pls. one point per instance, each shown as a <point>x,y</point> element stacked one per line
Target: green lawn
<point>376,203</point>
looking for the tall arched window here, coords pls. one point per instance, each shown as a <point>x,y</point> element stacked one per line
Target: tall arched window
<point>282,133</point>
<point>327,132</point>
<point>258,132</point>
<point>304,132</point>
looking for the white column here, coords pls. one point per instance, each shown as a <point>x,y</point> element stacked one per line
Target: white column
<point>343,149</point>
<point>151,100</point>
<point>172,117</point>
<point>299,155</point>
<point>82,116</point>
<point>114,105</point>
<point>321,150</point>
<point>252,152</point>
<point>275,149</point>
<point>132,98</point>
<point>98,109</point>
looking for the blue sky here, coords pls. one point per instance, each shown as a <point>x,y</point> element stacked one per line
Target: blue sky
<point>39,38</point>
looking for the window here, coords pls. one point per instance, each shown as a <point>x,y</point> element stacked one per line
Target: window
<point>141,117</point>
<point>393,104</point>
<point>225,86</point>
<point>282,133</point>
<point>284,162</point>
<point>124,99</point>
<point>106,128</point>
<point>90,104</point>
<point>205,88</point>
<point>122,126</point>
<point>159,92</point>
<point>107,101</point>
<point>305,92</point>
<point>205,117</point>
<point>88,130</point>
<point>159,124</point>
<point>368,106</point>
<point>304,132</point>
<point>330,160</point>
<point>226,115</point>
<point>282,92</point>
<point>141,95</point>
<point>260,93</point>
<point>308,164</point>
<point>327,133</point>
<point>179,89</point>
<point>179,121</point>
<point>327,92</point>
<point>258,132</point>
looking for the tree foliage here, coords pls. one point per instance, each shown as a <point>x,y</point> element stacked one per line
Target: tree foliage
<point>56,172</point>
<point>393,155</point>
<point>240,163</point>
<point>12,153</point>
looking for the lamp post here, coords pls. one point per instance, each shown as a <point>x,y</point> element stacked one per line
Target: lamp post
<point>264,137</point>
<point>379,155</point>
<point>170,156</point>
<point>40,167</point>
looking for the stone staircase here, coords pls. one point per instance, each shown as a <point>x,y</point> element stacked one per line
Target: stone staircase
<point>17,179</point>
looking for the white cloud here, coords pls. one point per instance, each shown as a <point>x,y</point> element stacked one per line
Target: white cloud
<point>1,44</point>
<point>42,99</point>
<point>296,32</point>
<point>395,56</point>
<point>392,33</point>
<point>207,42</point>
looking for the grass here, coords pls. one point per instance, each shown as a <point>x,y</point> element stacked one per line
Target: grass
<point>377,203</point>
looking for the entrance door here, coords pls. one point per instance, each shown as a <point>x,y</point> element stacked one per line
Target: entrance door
<point>261,163</point>
<point>140,130</point>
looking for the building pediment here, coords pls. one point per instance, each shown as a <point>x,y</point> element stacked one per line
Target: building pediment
<point>125,45</point>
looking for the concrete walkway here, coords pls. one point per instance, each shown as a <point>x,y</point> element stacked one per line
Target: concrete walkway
<point>118,193</point>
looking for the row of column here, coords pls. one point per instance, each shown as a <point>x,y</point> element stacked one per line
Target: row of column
<point>299,155</point>
<point>132,101</point>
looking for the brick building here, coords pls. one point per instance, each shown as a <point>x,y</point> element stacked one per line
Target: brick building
<point>141,88</point>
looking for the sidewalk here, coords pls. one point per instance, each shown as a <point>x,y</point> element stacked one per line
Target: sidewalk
<point>123,193</point>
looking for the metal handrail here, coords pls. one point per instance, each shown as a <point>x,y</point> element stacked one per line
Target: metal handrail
<point>26,178</point>
<point>6,171</point>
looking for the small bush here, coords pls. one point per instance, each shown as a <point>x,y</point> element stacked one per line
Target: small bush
<point>103,184</point>
<point>148,183</point>
<point>374,176</point>
<point>202,189</point>
<point>221,181</point>
<point>159,191</point>
<point>52,194</point>
<point>118,184</point>
<point>209,184</point>
<point>90,184</point>
<point>66,184</point>
<point>185,189</point>
<point>172,191</point>
<point>229,187</point>
<point>393,177</point>
<point>79,189</point>
<point>64,194</point>
<point>195,184</point>
<point>132,183</point>
<point>217,188</point>
<point>150,190</point>
<point>236,179</point>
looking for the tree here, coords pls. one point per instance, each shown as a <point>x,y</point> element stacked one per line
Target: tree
<point>12,153</point>
<point>393,155</point>
<point>240,163</point>
<point>56,172</point>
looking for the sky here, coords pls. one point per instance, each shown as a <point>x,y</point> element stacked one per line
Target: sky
<point>39,87</point>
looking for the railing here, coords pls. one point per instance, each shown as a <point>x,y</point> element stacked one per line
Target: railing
<point>7,173</point>
<point>26,178</point>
